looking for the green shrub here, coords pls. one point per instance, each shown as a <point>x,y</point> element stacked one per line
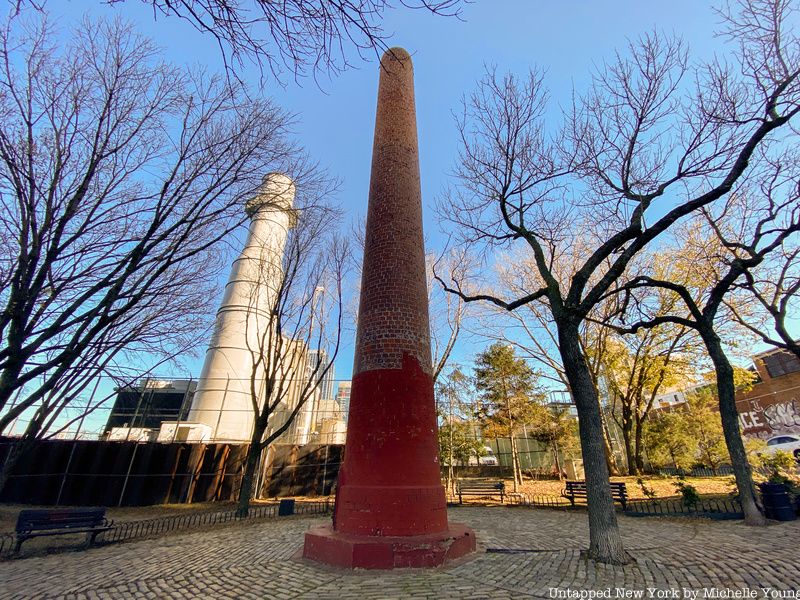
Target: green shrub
<point>688,493</point>
<point>781,468</point>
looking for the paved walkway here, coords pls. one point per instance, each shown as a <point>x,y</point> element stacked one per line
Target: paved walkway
<point>254,560</point>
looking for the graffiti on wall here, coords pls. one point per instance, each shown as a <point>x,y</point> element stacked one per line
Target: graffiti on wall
<point>774,419</point>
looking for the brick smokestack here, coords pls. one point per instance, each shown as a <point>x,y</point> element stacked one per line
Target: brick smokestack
<point>391,509</point>
<point>393,313</point>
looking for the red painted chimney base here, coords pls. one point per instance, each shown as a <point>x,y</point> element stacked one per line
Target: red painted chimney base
<point>347,551</point>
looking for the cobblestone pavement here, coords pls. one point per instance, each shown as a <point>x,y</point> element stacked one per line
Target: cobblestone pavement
<point>542,558</point>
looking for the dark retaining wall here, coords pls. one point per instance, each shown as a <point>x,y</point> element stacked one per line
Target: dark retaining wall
<point>85,473</point>
<point>101,473</point>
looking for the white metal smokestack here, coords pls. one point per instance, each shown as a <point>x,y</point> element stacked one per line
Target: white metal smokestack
<point>222,400</point>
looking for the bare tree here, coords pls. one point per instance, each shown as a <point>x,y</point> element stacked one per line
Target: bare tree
<point>738,237</point>
<point>638,152</point>
<point>294,36</point>
<point>119,176</point>
<point>455,399</point>
<point>774,297</point>
<point>636,368</point>
<point>628,372</point>
<point>447,312</point>
<point>293,329</point>
<point>531,329</point>
<point>769,293</point>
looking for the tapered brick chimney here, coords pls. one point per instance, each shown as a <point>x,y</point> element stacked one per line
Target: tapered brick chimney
<point>390,503</point>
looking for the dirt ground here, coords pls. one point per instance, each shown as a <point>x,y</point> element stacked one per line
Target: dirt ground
<point>9,512</point>
<point>48,544</point>
<point>664,487</point>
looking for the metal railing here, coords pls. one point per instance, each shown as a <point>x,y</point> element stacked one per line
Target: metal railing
<point>717,508</point>
<point>698,472</point>
<point>538,501</point>
<point>319,507</point>
<point>130,530</point>
<point>138,529</point>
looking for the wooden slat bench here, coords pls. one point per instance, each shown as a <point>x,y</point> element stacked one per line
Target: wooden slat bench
<point>59,521</point>
<point>480,488</point>
<point>577,489</point>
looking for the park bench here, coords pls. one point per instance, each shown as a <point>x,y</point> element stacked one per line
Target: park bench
<point>577,489</point>
<point>480,488</point>
<point>41,522</point>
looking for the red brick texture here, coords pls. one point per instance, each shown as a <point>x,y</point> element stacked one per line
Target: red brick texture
<point>391,509</point>
<point>393,312</point>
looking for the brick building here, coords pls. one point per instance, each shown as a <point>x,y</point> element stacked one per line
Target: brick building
<point>772,407</point>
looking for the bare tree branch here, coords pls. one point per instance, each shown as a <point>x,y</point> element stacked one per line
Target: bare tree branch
<point>119,178</point>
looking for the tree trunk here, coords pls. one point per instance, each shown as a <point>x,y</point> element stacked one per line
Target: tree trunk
<point>514,454</point>
<point>12,458</point>
<point>611,462</point>
<point>450,483</point>
<point>630,457</point>
<point>557,460</point>
<point>450,487</point>
<point>450,477</point>
<point>8,385</point>
<point>730,427</point>
<point>13,339</point>
<point>605,542</point>
<point>18,450</point>
<point>515,462</point>
<point>637,449</point>
<point>251,464</point>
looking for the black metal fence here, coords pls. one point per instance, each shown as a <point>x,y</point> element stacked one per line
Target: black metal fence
<point>138,529</point>
<point>698,472</point>
<point>714,508</point>
<point>130,530</point>
<point>539,501</point>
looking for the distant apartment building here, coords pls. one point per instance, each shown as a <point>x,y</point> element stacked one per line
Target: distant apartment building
<point>317,360</point>
<point>676,396</point>
<point>343,397</point>
<point>770,408</point>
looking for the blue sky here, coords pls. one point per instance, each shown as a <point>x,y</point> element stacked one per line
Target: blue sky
<point>335,122</point>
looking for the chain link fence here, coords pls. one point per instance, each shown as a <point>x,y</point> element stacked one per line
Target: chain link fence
<point>185,409</point>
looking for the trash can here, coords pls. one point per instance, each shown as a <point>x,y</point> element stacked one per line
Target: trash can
<point>777,504</point>
<point>286,507</point>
